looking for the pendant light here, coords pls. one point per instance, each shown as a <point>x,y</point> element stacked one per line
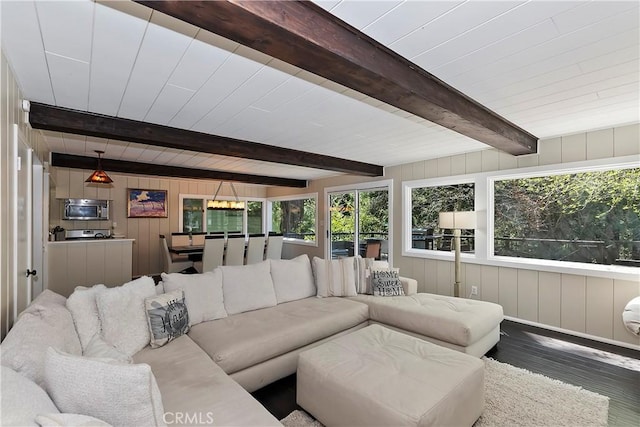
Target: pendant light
<point>99,176</point>
<point>235,205</point>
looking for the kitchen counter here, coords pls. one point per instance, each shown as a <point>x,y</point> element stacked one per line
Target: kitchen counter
<point>88,262</point>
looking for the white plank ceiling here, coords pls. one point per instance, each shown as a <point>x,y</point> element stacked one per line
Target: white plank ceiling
<point>551,67</point>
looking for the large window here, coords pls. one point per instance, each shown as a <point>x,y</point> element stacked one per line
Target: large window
<point>295,218</point>
<point>586,217</point>
<point>426,204</point>
<point>197,216</point>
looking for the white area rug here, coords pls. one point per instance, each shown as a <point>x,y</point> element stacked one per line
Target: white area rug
<point>517,397</point>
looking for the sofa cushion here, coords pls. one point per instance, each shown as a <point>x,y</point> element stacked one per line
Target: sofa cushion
<point>46,322</point>
<point>123,317</point>
<point>246,339</point>
<point>69,420</point>
<point>292,278</point>
<point>167,317</point>
<point>191,384</point>
<point>335,277</point>
<point>202,292</point>
<point>99,348</point>
<point>120,394</point>
<point>82,305</point>
<point>21,400</point>
<point>454,320</point>
<point>247,287</point>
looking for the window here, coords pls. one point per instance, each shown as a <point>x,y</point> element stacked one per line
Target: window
<point>426,204</point>
<point>295,218</point>
<point>196,217</point>
<point>586,217</point>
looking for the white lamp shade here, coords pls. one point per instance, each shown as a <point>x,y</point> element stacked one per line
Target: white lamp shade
<point>457,220</point>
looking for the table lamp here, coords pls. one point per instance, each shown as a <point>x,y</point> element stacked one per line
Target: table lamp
<point>457,221</point>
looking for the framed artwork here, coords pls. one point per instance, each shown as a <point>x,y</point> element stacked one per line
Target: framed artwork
<point>146,203</point>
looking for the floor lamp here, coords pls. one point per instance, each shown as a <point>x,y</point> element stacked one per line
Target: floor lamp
<point>457,221</point>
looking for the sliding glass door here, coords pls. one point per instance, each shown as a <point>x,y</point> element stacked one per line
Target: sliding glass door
<point>359,222</point>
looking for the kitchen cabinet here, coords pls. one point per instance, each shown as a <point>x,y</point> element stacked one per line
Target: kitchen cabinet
<point>74,263</point>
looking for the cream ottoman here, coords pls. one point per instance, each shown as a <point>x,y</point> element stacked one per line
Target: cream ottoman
<point>379,377</point>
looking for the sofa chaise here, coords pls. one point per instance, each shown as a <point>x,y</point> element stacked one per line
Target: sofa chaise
<point>246,327</point>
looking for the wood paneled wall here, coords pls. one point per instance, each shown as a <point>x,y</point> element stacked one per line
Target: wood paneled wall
<point>582,304</point>
<point>69,183</point>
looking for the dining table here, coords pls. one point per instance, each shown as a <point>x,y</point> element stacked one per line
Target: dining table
<point>194,252</point>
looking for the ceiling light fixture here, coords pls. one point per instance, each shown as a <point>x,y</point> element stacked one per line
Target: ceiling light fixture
<point>99,176</point>
<point>233,205</point>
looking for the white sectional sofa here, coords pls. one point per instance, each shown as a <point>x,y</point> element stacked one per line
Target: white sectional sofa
<point>247,326</point>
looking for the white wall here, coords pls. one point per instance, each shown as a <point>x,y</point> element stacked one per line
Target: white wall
<point>579,303</point>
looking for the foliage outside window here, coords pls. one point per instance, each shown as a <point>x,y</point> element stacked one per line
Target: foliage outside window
<point>192,215</point>
<point>586,217</point>
<point>224,220</point>
<point>254,217</point>
<point>426,205</point>
<point>197,218</point>
<point>295,219</point>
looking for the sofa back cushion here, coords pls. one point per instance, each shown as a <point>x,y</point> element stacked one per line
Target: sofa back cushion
<point>82,305</point>
<point>202,293</point>
<point>22,400</point>
<point>292,278</point>
<point>247,287</point>
<point>46,322</point>
<point>335,277</point>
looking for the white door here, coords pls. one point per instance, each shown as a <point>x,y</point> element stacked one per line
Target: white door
<point>40,224</point>
<point>23,191</point>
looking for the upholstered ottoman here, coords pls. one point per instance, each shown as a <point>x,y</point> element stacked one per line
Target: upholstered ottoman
<point>380,377</point>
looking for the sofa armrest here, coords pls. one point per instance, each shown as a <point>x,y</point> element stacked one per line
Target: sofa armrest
<point>410,286</point>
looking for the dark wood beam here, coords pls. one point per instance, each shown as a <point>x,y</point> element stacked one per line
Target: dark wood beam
<point>42,116</point>
<point>110,165</point>
<point>303,34</point>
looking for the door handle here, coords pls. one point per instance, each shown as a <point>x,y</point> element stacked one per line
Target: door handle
<point>31,272</point>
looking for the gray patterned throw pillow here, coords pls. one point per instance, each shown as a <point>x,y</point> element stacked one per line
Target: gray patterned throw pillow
<point>167,317</point>
<point>385,282</point>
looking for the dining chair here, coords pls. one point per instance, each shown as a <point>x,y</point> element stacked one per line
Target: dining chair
<point>179,239</point>
<point>274,246</point>
<point>198,238</point>
<point>255,248</point>
<point>373,249</point>
<point>172,263</point>
<point>213,254</point>
<point>234,255</point>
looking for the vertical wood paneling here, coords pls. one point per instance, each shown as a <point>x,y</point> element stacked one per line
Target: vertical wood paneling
<point>550,151</point>
<point>508,291</point>
<point>572,315</point>
<point>444,166</point>
<point>445,278</point>
<point>418,272</point>
<point>418,170</point>
<point>77,264</point>
<point>549,298</point>
<point>574,148</point>
<point>474,162</point>
<point>600,144</point>
<point>459,164</point>
<point>113,262</point>
<point>62,183</point>
<point>626,140</point>
<point>528,295</point>
<point>508,161</point>
<point>490,160</point>
<point>95,262</point>
<point>528,160</point>
<point>430,276</point>
<point>431,168</point>
<point>623,292</point>
<point>132,231</point>
<point>599,307</point>
<point>76,184</point>
<point>490,289</point>
<point>473,277</point>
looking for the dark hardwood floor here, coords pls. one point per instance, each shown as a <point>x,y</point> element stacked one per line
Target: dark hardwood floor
<point>602,368</point>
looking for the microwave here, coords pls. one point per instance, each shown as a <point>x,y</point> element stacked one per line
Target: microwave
<point>85,209</point>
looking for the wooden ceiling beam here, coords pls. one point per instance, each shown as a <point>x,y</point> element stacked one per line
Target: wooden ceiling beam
<point>111,165</point>
<point>301,33</point>
<point>47,117</point>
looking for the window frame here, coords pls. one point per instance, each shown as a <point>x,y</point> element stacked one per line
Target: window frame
<point>484,206</point>
<point>206,197</point>
<point>292,240</point>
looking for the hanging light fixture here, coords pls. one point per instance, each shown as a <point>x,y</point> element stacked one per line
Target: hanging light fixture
<point>232,205</point>
<point>99,176</point>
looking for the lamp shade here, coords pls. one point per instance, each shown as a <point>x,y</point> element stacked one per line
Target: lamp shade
<point>457,220</point>
<point>99,176</point>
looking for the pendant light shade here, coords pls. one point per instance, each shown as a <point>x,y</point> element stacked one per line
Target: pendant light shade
<point>99,176</point>
<point>227,205</point>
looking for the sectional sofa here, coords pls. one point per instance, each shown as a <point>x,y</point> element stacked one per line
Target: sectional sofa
<point>98,354</point>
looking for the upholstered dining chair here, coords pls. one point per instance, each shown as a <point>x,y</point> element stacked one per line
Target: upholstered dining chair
<point>213,254</point>
<point>172,263</point>
<point>274,246</point>
<point>255,248</point>
<point>373,249</point>
<point>234,255</point>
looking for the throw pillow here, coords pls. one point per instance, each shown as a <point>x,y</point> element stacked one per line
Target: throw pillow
<point>167,317</point>
<point>292,278</point>
<point>82,305</point>
<point>69,420</point>
<point>119,394</point>
<point>99,348</point>
<point>385,282</point>
<point>45,323</point>
<point>22,399</point>
<point>202,292</point>
<point>247,287</point>
<point>123,317</point>
<point>335,277</point>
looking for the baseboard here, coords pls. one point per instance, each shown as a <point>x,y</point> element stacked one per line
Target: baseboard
<point>574,333</point>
